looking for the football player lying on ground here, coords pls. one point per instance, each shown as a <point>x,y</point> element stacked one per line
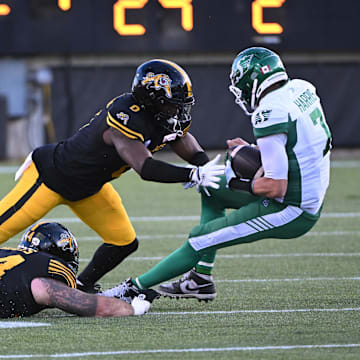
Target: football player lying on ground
<point>76,172</point>
<point>294,142</point>
<point>41,272</point>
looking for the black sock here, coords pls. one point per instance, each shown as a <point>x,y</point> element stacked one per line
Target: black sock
<point>106,257</point>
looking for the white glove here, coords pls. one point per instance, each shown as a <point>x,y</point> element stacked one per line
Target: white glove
<point>140,305</point>
<point>208,174</point>
<point>190,184</point>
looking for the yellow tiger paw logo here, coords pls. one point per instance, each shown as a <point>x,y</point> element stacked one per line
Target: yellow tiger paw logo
<point>158,81</point>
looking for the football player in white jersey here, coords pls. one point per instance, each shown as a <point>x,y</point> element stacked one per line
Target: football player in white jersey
<point>294,141</point>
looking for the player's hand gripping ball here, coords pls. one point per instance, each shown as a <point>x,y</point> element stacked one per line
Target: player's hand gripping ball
<point>243,166</point>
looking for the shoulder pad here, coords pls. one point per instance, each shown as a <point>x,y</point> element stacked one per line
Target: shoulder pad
<point>127,117</point>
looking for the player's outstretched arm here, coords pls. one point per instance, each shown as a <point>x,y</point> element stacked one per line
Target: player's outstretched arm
<point>52,293</point>
<point>190,150</point>
<point>134,153</point>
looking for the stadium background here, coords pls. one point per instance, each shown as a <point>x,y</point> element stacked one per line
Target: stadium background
<point>61,60</point>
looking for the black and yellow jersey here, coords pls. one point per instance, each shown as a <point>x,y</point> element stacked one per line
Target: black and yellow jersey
<point>79,166</point>
<point>17,269</point>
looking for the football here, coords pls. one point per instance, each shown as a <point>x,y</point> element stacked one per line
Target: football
<point>246,162</point>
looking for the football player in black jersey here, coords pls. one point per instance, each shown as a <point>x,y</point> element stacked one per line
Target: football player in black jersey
<point>41,273</point>
<point>123,135</point>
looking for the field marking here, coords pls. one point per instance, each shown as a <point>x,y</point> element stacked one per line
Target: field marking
<point>350,278</point>
<point>342,164</point>
<point>340,215</point>
<point>270,311</point>
<point>247,256</point>
<point>330,215</point>
<point>229,312</point>
<point>356,278</point>
<point>189,350</point>
<point>18,324</point>
<point>184,236</point>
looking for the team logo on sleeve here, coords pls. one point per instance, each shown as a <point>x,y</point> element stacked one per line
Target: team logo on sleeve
<point>123,117</point>
<point>158,81</point>
<point>262,116</point>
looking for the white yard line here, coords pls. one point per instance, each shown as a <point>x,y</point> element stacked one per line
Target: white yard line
<point>184,236</point>
<point>325,278</point>
<point>184,350</point>
<point>195,217</point>
<point>269,311</point>
<point>18,324</point>
<point>11,169</point>
<point>248,256</point>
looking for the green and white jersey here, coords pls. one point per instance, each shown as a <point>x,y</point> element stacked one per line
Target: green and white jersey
<point>295,110</point>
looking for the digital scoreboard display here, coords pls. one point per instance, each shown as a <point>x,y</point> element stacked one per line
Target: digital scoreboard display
<point>135,26</point>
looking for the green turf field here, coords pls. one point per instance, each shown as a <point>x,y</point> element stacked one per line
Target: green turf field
<point>277,299</point>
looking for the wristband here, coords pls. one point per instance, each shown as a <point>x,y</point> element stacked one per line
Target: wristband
<point>199,158</point>
<point>242,184</point>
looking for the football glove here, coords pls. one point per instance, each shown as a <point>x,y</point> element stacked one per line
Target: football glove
<point>142,302</point>
<point>208,174</point>
<point>190,184</point>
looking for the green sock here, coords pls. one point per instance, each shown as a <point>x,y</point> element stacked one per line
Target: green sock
<point>177,263</point>
<point>206,263</point>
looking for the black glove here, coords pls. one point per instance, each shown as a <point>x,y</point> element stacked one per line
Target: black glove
<point>148,295</point>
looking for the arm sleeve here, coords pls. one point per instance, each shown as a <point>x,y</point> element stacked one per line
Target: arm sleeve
<point>199,159</point>
<point>160,171</point>
<point>273,156</point>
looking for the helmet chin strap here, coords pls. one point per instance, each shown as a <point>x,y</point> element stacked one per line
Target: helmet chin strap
<point>238,100</point>
<point>256,91</point>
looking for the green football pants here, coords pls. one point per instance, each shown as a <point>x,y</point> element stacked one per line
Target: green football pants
<point>253,218</point>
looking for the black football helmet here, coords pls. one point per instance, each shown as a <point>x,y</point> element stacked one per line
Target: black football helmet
<point>54,239</point>
<point>164,88</point>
